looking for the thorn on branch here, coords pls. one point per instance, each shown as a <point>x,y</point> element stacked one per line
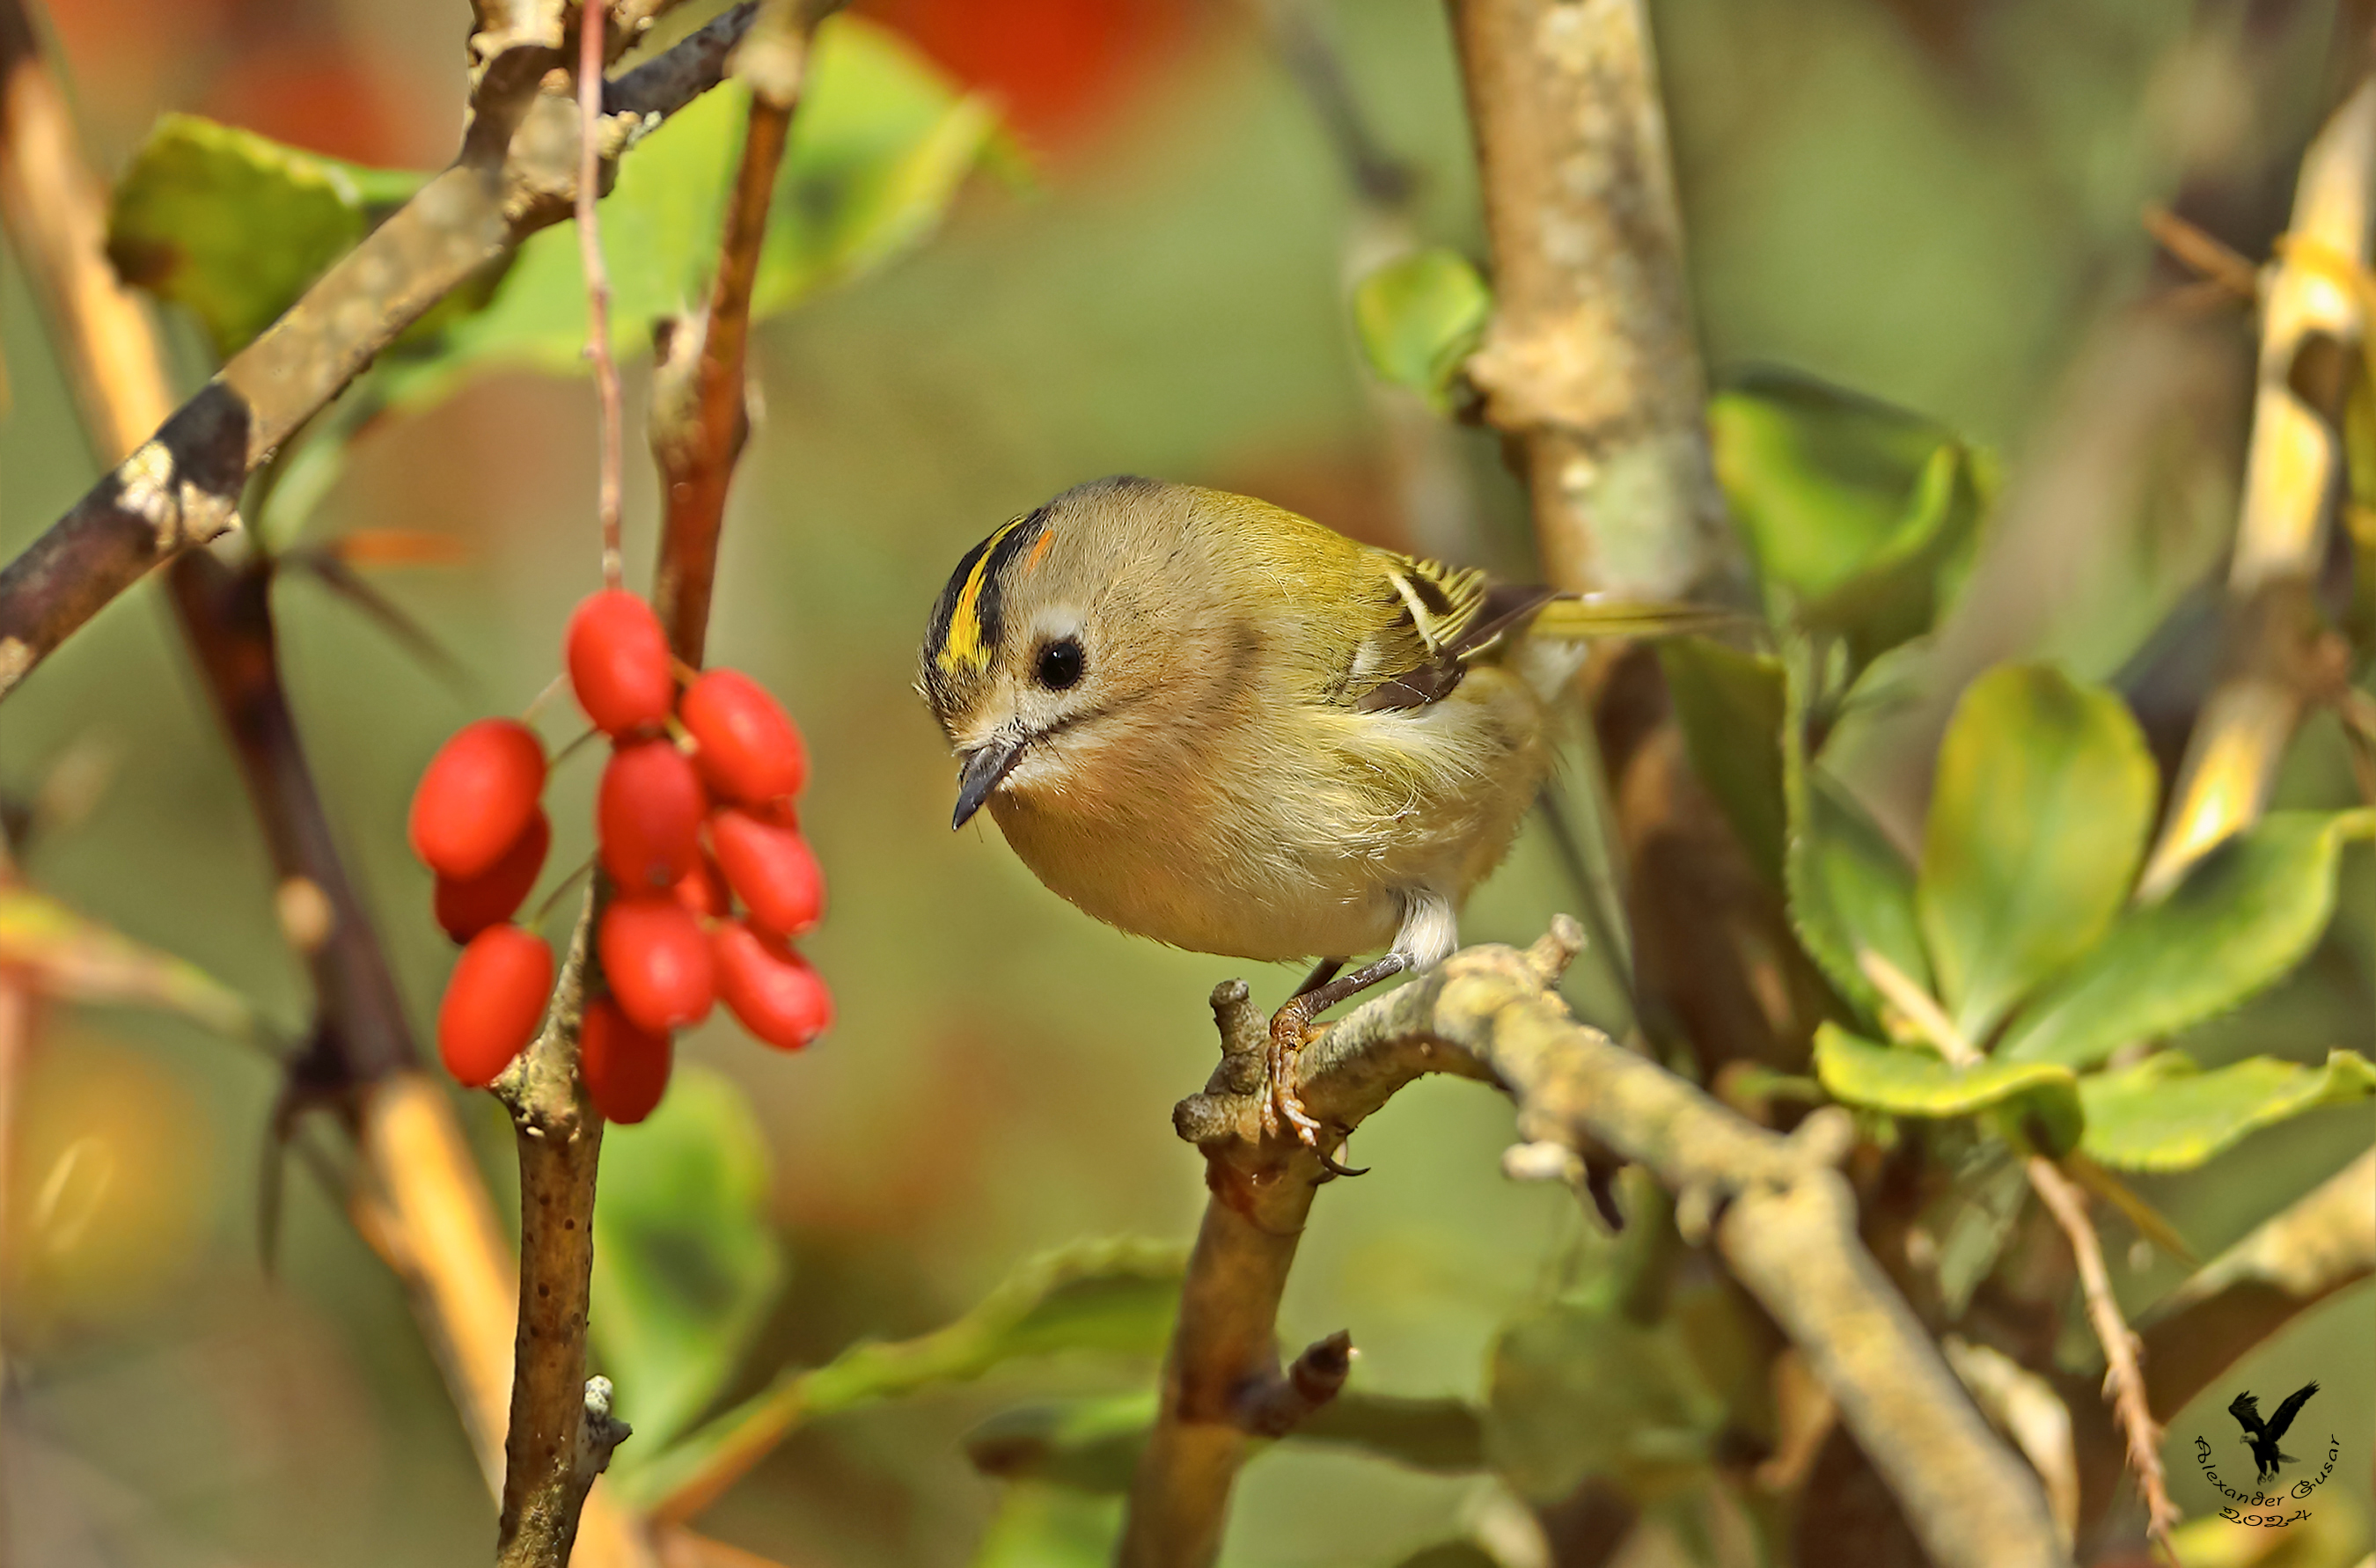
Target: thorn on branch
<point>599,1432</point>
<point>1553,951</point>
<point>1281,1403</point>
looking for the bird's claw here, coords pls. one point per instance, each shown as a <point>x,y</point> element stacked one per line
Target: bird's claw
<point>1281,1104</point>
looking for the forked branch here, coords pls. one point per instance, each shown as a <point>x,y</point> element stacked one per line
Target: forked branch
<point>1783,1219</point>
<point>516,173</point>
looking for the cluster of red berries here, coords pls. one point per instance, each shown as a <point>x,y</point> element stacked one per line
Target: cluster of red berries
<point>721,755</point>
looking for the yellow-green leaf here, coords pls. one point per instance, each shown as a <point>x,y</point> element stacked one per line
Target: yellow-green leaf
<point>1101,1297</point>
<point>1730,706</point>
<point>72,956</point>
<point>686,1263</point>
<point>1861,517</point>
<point>882,142</point>
<point>2166,1115</point>
<point>2244,915</point>
<point>2039,1098</point>
<point>235,225</point>
<point>1420,317</point>
<point>2044,795</point>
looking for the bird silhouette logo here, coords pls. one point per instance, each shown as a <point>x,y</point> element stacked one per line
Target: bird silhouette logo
<point>2263,1435</point>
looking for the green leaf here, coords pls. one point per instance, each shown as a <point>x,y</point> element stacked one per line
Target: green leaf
<point>235,225</point>
<point>1445,1436</point>
<point>1578,1388</point>
<point>2244,915</point>
<point>882,142</point>
<point>1087,1445</point>
<point>1451,1554</point>
<point>2044,795</point>
<point>686,1264</point>
<point>1731,708</point>
<point>2165,1114</point>
<point>2038,1098</point>
<point>1050,1526</point>
<point>1862,517</point>
<point>76,959</point>
<point>1973,1219</point>
<point>1420,319</point>
<point>1850,890</point>
<point>1093,1444</point>
<point>1107,1297</point>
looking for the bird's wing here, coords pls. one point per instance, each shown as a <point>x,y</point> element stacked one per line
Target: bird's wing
<point>2285,1416</point>
<point>2247,1410</point>
<point>1422,618</point>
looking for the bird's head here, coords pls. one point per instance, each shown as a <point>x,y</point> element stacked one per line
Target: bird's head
<point>1060,637</point>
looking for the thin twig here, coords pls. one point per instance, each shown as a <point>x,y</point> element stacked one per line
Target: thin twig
<point>180,488</point>
<point>699,414</point>
<point>2125,1383</point>
<point>1918,1007</point>
<point>1783,1218</point>
<point>598,287</point>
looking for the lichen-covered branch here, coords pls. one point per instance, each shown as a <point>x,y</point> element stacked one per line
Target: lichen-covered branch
<point>2313,318</point>
<point>2289,1263</point>
<point>180,486</point>
<point>1783,1219</point>
<point>1591,361</point>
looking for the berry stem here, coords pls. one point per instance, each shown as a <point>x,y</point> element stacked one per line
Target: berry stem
<point>591,29</point>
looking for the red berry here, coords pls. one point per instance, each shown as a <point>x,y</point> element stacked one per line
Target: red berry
<point>748,749</point>
<point>493,1003</point>
<point>703,890</point>
<point>467,906</point>
<point>771,868</point>
<point>619,662</point>
<point>770,988</point>
<point>647,815</point>
<point>476,796</point>
<point>626,1068</point>
<point>656,961</point>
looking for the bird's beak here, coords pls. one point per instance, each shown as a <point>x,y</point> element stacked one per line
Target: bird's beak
<point>984,766</point>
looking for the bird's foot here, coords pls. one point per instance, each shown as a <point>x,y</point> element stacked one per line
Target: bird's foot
<point>1290,1027</point>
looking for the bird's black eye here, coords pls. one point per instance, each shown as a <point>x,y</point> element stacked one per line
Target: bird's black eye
<point>1060,665</point>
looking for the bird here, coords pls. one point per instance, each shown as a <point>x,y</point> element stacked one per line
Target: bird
<point>1206,719</point>
<point>2263,1435</point>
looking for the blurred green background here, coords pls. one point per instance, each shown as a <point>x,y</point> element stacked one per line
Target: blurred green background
<point>1933,201</point>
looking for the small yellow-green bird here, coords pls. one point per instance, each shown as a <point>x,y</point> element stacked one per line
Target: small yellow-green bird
<point>1208,721</point>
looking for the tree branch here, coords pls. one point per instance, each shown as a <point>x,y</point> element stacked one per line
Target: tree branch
<point>1591,361</point>
<point>422,1203</point>
<point>1783,1218</point>
<point>699,420</point>
<point>2290,1262</point>
<point>2312,316</point>
<point>550,1462</point>
<point>517,175</point>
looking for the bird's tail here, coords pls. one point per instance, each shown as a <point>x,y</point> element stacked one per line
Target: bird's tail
<point>1601,616</point>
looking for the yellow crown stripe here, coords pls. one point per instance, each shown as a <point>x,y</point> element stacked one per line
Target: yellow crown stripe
<point>962,649</point>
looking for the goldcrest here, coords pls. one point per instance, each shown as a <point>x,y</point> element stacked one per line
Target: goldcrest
<point>1208,721</point>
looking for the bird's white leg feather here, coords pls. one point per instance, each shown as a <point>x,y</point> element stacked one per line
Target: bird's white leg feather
<point>1431,928</point>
